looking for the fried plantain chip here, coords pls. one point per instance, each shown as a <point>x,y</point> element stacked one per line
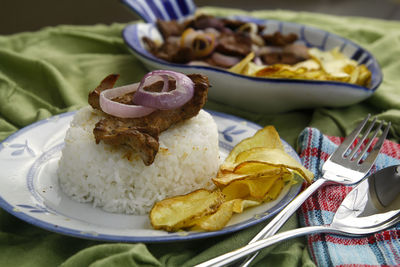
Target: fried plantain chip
<point>266,137</point>
<point>275,190</point>
<point>251,167</point>
<point>274,157</point>
<point>217,220</point>
<point>241,204</point>
<point>324,65</point>
<point>249,189</point>
<point>224,179</point>
<point>254,188</point>
<point>221,217</point>
<point>238,68</point>
<point>179,212</point>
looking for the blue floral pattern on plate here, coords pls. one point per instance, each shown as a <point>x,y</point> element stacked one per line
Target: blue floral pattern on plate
<point>29,187</point>
<point>35,209</point>
<point>19,149</point>
<point>229,131</point>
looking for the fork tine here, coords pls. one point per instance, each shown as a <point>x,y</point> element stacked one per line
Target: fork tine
<point>341,150</point>
<point>369,143</point>
<point>375,151</point>
<point>361,141</point>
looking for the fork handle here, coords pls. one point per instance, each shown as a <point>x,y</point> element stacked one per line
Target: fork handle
<point>276,223</point>
<point>236,254</point>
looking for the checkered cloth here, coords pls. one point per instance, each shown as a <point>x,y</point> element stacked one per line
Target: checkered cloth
<point>380,249</point>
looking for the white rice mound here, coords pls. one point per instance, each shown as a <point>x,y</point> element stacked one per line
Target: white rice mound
<point>187,159</point>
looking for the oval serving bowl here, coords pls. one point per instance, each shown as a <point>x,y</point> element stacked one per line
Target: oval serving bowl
<point>264,95</point>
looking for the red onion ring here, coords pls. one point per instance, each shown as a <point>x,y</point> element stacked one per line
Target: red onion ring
<point>165,99</point>
<point>224,60</point>
<point>122,110</point>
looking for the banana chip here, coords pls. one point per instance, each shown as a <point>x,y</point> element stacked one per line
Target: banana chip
<point>262,151</point>
<point>324,65</point>
<point>266,137</point>
<point>273,157</point>
<point>180,212</point>
<point>275,190</point>
<point>251,189</point>
<point>227,178</point>
<point>238,68</point>
<point>217,220</point>
<point>221,217</point>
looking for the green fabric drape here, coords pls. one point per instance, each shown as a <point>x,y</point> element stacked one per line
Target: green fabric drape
<point>51,71</point>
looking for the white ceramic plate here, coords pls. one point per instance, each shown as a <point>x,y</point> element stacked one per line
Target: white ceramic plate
<point>29,187</point>
<point>250,93</point>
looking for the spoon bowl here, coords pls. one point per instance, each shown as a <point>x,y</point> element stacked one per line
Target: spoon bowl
<point>372,206</point>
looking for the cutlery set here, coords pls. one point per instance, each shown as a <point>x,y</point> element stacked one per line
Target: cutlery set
<point>372,206</point>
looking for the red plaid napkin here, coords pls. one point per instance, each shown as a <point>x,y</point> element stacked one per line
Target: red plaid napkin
<point>380,249</point>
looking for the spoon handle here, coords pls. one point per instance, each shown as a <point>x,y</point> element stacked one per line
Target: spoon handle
<point>255,246</point>
<point>275,224</point>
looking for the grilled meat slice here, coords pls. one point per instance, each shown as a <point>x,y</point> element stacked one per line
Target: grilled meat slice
<point>234,44</point>
<point>279,39</point>
<point>170,50</point>
<point>141,134</point>
<point>170,28</point>
<point>107,83</point>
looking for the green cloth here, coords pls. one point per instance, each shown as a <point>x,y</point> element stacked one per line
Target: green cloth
<point>51,71</point>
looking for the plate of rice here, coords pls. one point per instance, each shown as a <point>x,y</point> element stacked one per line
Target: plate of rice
<point>56,177</point>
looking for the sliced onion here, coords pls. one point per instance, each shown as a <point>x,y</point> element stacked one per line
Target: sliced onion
<point>122,110</point>
<point>258,61</point>
<point>192,38</point>
<point>224,60</point>
<point>165,99</point>
<point>248,27</point>
<point>155,78</point>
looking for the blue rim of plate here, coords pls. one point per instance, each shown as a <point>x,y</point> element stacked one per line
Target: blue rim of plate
<point>170,237</point>
<point>130,32</point>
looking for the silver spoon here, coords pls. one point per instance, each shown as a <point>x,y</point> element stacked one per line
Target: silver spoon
<point>372,206</point>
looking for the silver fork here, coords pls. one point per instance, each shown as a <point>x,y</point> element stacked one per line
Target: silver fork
<point>345,166</point>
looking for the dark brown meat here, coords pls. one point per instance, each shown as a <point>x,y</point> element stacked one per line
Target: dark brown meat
<point>141,134</point>
<point>151,45</point>
<point>107,83</point>
<point>234,44</point>
<point>281,58</point>
<point>279,39</point>
<point>170,51</point>
<point>234,24</point>
<point>203,22</point>
<point>170,28</point>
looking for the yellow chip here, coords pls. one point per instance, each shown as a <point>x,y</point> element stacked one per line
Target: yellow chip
<point>251,69</point>
<point>242,204</point>
<point>226,178</point>
<point>238,68</point>
<point>251,167</point>
<point>267,137</point>
<point>253,188</point>
<point>275,190</point>
<point>249,189</point>
<point>179,212</point>
<point>324,65</point>
<point>276,157</point>
<point>217,220</point>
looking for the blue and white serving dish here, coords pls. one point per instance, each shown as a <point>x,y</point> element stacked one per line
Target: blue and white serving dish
<point>29,187</point>
<point>255,94</point>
